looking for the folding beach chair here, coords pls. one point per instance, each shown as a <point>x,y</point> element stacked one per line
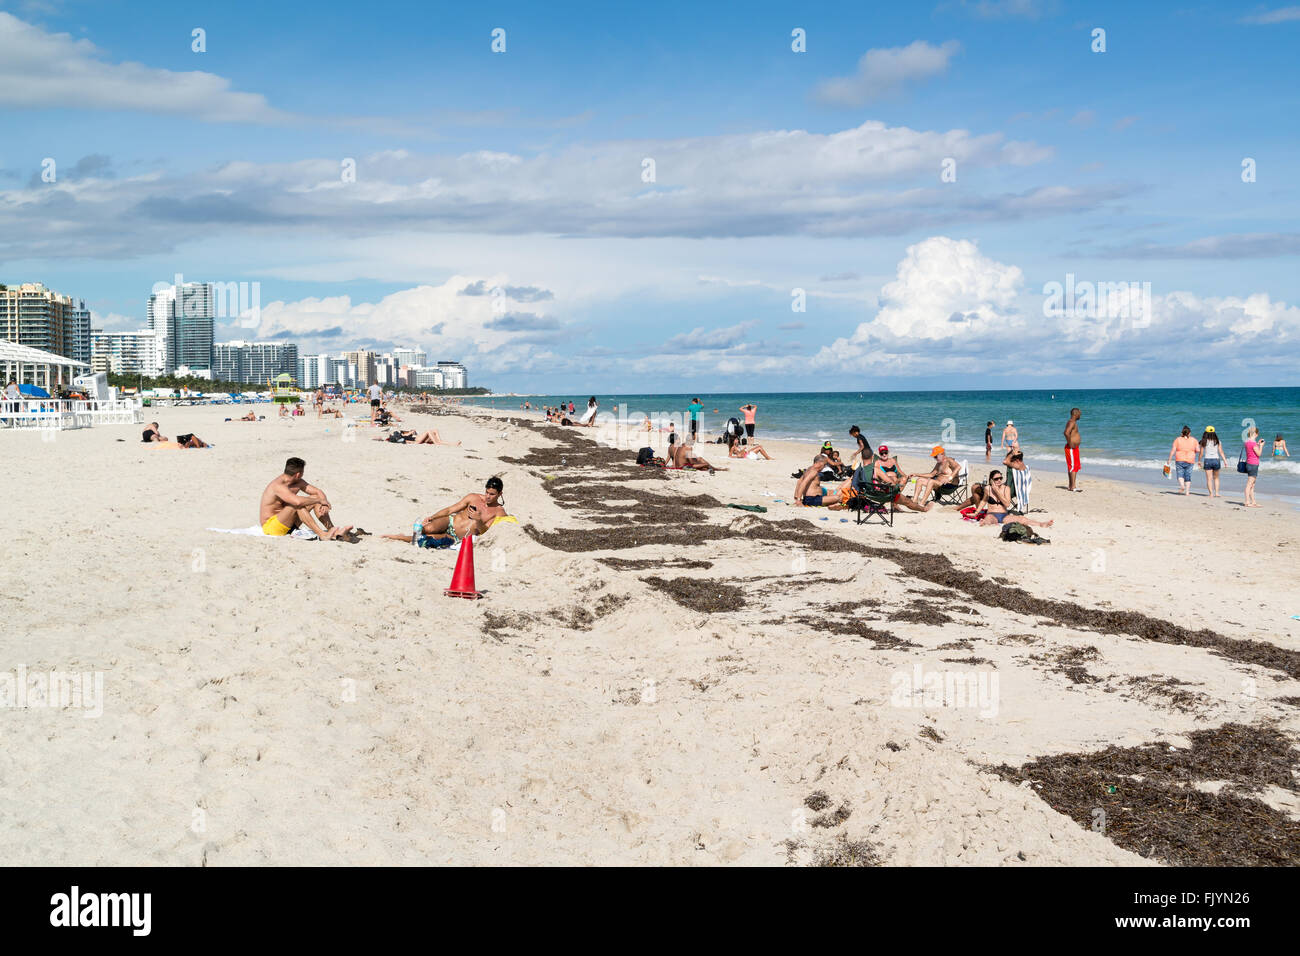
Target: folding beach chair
<point>955,492</point>
<point>874,502</point>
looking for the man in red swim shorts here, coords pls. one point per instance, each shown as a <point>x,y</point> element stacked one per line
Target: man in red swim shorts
<point>1072,462</point>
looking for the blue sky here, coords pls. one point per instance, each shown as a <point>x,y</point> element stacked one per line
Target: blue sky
<point>775,171</point>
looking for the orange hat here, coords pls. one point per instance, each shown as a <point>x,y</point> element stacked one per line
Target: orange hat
<point>936,451</point>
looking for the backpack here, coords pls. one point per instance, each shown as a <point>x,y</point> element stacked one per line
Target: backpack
<point>645,455</point>
<point>1015,531</point>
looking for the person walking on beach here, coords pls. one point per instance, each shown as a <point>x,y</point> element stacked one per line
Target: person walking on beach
<point>694,408</point>
<point>1183,453</point>
<point>1010,436</point>
<point>376,394</point>
<point>988,439</point>
<point>1253,449</point>
<point>748,411</point>
<point>1073,463</point>
<point>1211,455</point>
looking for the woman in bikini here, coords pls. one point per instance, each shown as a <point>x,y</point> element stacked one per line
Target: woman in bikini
<point>999,504</point>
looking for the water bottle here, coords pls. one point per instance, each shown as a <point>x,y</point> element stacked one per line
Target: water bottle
<point>417,532</point>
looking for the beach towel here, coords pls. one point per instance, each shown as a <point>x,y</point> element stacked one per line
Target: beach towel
<point>1023,482</point>
<point>589,415</point>
<point>758,509</point>
<point>306,535</point>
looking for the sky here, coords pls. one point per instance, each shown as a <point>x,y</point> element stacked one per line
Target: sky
<point>679,196</point>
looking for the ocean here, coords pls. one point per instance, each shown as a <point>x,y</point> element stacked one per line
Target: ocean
<point>1126,432</point>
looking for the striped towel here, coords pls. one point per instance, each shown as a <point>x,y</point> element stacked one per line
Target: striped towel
<point>1023,482</point>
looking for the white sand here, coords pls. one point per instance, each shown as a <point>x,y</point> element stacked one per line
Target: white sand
<point>271,701</point>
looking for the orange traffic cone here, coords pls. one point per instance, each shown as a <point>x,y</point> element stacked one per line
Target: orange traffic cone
<point>462,579</point>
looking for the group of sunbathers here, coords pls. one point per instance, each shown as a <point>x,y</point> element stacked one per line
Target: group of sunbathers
<point>290,504</point>
<point>879,471</point>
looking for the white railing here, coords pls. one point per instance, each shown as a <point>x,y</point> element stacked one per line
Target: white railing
<point>59,414</point>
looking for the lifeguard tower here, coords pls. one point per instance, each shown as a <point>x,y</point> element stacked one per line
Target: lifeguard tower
<point>283,391</point>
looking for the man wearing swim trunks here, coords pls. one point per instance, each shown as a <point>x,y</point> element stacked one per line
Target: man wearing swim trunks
<point>289,501</point>
<point>376,394</point>
<point>1072,440</point>
<point>472,515</point>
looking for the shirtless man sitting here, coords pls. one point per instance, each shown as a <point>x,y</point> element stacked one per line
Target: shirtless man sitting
<point>472,515</point>
<point>944,472</point>
<point>289,502</point>
<point>684,457</point>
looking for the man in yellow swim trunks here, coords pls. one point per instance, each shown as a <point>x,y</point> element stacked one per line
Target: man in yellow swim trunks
<point>289,502</point>
<point>472,515</point>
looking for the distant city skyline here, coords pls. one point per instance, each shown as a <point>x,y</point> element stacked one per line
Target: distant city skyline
<point>679,199</point>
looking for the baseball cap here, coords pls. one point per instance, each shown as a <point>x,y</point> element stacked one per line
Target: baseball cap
<point>936,451</point>
<point>883,449</point>
<point>1010,422</point>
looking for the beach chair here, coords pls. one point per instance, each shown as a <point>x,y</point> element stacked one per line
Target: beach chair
<point>874,502</point>
<point>955,492</point>
<point>1022,482</point>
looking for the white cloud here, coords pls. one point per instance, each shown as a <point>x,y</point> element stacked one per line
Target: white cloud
<point>871,179</point>
<point>472,328</point>
<point>884,71</point>
<point>951,310</point>
<point>1280,15</point>
<point>40,70</point>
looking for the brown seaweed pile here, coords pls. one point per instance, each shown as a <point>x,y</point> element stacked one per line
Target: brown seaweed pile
<point>1146,798</point>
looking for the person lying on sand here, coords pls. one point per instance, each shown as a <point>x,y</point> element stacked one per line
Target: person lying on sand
<point>974,500</point>
<point>999,504</point>
<point>472,515</point>
<point>684,457</point>
<point>736,450</point>
<point>289,502</point>
<point>250,417</point>
<point>409,437</point>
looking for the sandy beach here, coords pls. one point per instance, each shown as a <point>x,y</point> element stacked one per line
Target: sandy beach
<point>652,678</point>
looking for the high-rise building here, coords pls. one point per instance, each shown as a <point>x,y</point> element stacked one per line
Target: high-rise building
<point>32,315</point>
<point>124,353</point>
<point>184,318</point>
<point>425,377</point>
<point>410,357</point>
<point>453,375</point>
<point>365,366</point>
<point>314,371</point>
<point>254,362</point>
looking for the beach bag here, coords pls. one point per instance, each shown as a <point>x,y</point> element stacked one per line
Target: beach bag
<point>645,455</point>
<point>1241,461</point>
<point>1015,531</point>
